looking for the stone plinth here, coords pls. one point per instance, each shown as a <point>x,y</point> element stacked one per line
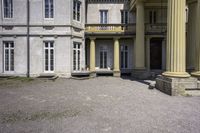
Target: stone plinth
<point>116,73</point>
<point>175,86</point>
<point>93,74</point>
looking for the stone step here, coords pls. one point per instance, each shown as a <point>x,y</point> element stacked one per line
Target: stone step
<point>193,92</point>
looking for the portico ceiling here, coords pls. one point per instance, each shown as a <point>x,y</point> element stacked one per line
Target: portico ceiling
<point>153,2</point>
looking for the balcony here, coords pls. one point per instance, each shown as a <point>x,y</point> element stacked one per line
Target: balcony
<point>156,28</point>
<point>129,29</point>
<point>110,28</point>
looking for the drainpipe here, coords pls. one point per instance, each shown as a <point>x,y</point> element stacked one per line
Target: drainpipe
<point>28,38</point>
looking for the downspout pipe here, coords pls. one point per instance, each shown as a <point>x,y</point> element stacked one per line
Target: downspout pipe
<point>28,38</point>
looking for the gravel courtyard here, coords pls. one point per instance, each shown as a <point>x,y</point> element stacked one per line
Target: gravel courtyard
<point>103,104</point>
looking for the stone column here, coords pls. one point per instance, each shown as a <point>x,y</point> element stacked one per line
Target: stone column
<point>191,39</point>
<point>197,60</point>
<point>92,55</point>
<point>116,72</point>
<point>176,39</point>
<point>140,39</point>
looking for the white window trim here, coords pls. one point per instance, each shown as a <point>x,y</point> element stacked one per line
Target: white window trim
<point>81,10</point>
<point>44,69</point>
<point>3,11</point>
<point>4,66</point>
<point>77,56</point>
<point>54,11</point>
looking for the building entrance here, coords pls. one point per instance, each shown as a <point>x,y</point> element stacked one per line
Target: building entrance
<point>156,53</point>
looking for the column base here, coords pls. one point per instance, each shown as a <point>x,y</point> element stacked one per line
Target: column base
<point>93,74</point>
<point>175,86</point>
<point>196,74</point>
<point>176,74</point>
<point>116,73</point>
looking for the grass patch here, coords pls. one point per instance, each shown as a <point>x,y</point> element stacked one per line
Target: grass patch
<point>13,81</point>
<point>22,79</point>
<point>21,116</point>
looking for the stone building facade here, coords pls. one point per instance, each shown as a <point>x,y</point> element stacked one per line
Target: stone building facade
<point>52,31</point>
<point>88,37</point>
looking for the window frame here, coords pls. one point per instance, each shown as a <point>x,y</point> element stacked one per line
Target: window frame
<point>44,60</point>
<point>9,60</point>
<point>123,50</point>
<point>102,19</point>
<point>103,60</point>
<point>124,18</point>
<point>153,17</point>
<point>3,13</point>
<point>75,10</point>
<point>44,11</point>
<point>80,58</point>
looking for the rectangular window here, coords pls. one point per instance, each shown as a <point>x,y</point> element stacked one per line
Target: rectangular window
<point>49,56</point>
<point>49,9</point>
<point>152,17</point>
<point>124,19</point>
<point>103,16</point>
<point>8,8</point>
<point>124,16</point>
<point>77,10</point>
<point>8,56</point>
<point>124,56</point>
<point>77,56</point>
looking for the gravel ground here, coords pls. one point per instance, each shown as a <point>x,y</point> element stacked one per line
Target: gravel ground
<point>103,104</point>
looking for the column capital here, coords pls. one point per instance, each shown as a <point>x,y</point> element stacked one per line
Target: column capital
<point>92,38</point>
<point>148,37</point>
<point>116,38</point>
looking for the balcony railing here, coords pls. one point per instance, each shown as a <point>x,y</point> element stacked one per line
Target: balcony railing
<point>110,28</point>
<point>156,28</point>
<point>125,28</point>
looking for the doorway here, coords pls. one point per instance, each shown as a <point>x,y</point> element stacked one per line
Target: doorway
<point>103,58</point>
<point>124,56</point>
<point>156,53</point>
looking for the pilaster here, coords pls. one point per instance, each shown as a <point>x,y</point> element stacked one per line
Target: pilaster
<point>140,37</point>
<point>116,57</point>
<point>197,60</point>
<point>191,36</point>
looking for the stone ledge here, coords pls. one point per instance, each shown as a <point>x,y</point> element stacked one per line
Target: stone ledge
<point>198,84</point>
